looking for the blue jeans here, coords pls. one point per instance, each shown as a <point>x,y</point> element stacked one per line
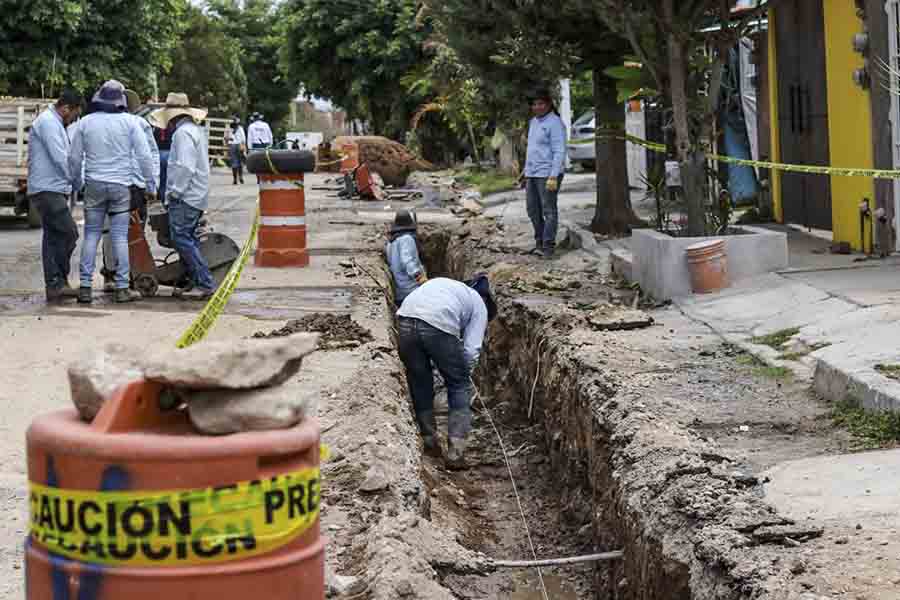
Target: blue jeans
<point>543,211</point>
<point>163,168</point>
<point>101,199</point>
<point>183,220</point>
<point>422,345</point>
<point>59,238</point>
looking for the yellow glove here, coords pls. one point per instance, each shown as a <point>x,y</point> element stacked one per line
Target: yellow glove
<point>421,277</point>
<point>552,184</point>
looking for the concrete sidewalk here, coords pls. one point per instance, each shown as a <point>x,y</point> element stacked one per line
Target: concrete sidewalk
<point>841,322</point>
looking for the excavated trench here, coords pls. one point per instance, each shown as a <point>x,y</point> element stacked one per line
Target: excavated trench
<point>597,470</point>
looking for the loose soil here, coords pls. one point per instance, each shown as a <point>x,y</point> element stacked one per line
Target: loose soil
<point>334,329</point>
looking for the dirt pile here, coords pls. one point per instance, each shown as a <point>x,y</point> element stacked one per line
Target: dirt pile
<point>391,160</point>
<point>336,330</point>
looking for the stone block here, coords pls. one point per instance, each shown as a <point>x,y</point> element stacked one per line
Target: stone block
<point>235,365</point>
<point>220,412</point>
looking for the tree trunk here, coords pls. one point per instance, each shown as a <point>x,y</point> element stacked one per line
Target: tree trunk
<point>477,154</point>
<point>693,196</point>
<point>613,214</point>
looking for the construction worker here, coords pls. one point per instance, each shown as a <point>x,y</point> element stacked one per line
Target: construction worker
<point>259,134</point>
<point>403,256</point>
<point>544,166</point>
<point>236,140</point>
<point>187,190</point>
<point>49,187</point>
<point>141,190</point>
<point>442,324</point>
<point>108,142</point>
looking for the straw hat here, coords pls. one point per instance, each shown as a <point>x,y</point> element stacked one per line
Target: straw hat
<point>133,100</point>
<point>177,104</point>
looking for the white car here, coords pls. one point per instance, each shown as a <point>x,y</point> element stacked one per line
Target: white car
<point>582,128</point>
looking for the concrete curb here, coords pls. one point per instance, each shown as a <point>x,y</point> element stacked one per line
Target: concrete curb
<point>872,391</point>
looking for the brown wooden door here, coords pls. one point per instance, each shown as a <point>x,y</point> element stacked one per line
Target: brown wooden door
<point>803,110</point>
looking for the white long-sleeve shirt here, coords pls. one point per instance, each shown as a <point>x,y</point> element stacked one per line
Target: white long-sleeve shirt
<point>48,153</point>
<point>259,133</point>
<point>454,308</point>
<point>187,173</point>
<point>235,137</point>
<point>106,144</point>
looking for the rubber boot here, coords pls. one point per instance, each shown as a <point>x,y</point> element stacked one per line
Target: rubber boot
<point>432,446</point>
<point>456,448</point>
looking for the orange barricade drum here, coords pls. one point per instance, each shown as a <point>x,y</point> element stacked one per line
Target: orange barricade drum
<point>281,240</point>
<point>137,506</point>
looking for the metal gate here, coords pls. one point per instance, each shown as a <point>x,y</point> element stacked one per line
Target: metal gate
<point>803,110</point>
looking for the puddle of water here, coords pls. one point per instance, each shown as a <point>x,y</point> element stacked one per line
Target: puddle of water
<point>529,588</point>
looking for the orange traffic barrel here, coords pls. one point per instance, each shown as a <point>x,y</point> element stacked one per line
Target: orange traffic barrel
<point>136,505</point>
<point>281,241</point>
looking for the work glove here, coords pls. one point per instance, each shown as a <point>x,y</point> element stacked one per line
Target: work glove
<point>521,181</point>
<point>149,197</point>
<point>421,277</point>
<point>552,184</point>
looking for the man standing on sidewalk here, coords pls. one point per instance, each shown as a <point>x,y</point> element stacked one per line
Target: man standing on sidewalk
<point>259,134</point>
<point>544,164</point>
<point>49,187</point>
<point>442,323</point>
<point>106,142</point>
<point>187,189</point>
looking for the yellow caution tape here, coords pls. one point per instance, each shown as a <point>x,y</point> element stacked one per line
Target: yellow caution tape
<point>330,162</point>
<point>791,168</point>
<point>176,527</point>
<point>207,317</point>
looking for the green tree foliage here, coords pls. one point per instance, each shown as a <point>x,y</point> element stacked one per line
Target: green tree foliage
<point>256,27</point>
<point>207,66</point>
<point>668,37</point>
<point>355,53</point>
<point>48,44</point>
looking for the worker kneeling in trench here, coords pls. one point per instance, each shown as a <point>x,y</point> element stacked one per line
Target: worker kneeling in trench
<point>442,324</point>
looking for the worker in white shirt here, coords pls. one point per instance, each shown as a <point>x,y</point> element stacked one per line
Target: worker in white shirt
<point>442,324</point>
<point>259,134</point>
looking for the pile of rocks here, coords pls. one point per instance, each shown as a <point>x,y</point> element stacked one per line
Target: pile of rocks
<point>225,387</point>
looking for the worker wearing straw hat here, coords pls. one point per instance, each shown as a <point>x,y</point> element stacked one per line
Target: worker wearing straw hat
<point>187,189</point>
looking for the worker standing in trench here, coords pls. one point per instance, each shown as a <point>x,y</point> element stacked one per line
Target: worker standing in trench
<point>403,256</point>
<point>442,324</point>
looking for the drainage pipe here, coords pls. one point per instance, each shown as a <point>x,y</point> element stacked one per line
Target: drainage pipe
<point>551,562</point>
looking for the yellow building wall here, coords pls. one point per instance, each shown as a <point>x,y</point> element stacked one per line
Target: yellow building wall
<point>775,141</point>
<point>849,122</point>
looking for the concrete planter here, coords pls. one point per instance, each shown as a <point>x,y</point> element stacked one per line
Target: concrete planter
<point>660,265</point>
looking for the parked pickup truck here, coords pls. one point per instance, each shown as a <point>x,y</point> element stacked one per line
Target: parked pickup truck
<point>16,116</point>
